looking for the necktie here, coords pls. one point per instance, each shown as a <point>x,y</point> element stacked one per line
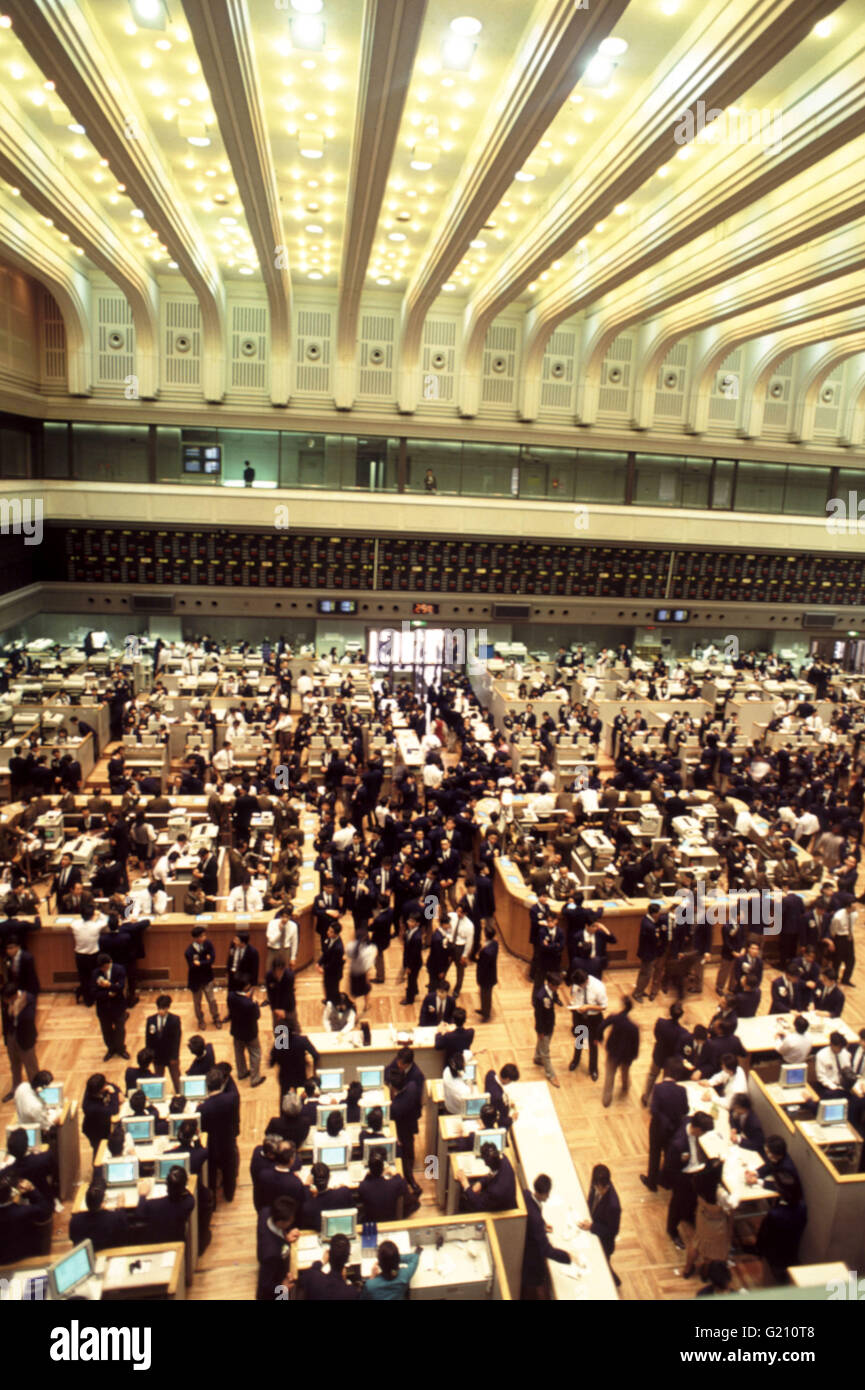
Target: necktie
<point>160,1024</point>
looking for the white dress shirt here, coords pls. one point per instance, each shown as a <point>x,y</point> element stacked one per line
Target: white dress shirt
<point>29,1106</point>
<point>592,992</point>
<point>454,1089</point>
<point>242,899</point>
<point>796,1047</point>
<point>735,1085</point>
<point>461,932</point>
<point>827,1067</point>
<point>86,935</point>
<point>282,935</point>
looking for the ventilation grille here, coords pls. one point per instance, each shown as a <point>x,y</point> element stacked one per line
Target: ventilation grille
<point>557,372</point>
<point>826,414</point>
<point>615,389</point>
<point>818,620</point>
<point>312,374</point>
<point>249,364</point>
<point>53,340</point>
<point>512,610</point>
<point>440,357</point>
<point>115,340</point>
<point>724,404</point>
<point>499,365</point>
<point>182,338</point>
<point>377,336</point>
<point>672,382</point>
<point>779,395</point>
<point>152,603</point>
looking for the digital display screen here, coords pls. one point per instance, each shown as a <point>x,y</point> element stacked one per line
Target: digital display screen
<point>140,1130</point>
<point>338,1224</point>
<point>153,1087</point>
<point>71,1270</point>
<point>335,1156</point>
<point>116,1173</point>
<point>330,1080</point>
<point>371,1078</point>
<point>337,605</point>
<point>202,458</point>
<point>52,1095</point>
<point>424,610</point>
<point>194,1087</point>
<point>474,1106</point>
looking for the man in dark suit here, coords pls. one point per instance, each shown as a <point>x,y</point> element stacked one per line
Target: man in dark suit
<point>208,869</point>
<point>494,1086</point>
<point>19,1035</point>
<point>745,1128</point>
<point>220,1120</point>
<point>670,1037</point>
<point>669,1106</point>
<point>437,1007</point>
<point>200,956</point>
<point>406,1102</point>
<point>62,882</point>
<point>23,1223</point>
<point>242,960</point>
<point>381,1192</point>
<point>438,957</point>
<point>487,972</point>
<point>623,1045</point>
<point>455,1037</point>
<point>108,988</point>
<point>278,1179</point>
<point>650,949</point>
<point>279,987</point>
<point>244,1014</point>
<point>106,1229</point>
<point>162,1036</point>
<point>331,962</point>
<point>545,1001</point>
<point>412,959</point>
<point>538,1247</point>
<point>277,1229</point>
<point>20,967</point>
<point>323,1197</point>
<point>605,1211</point>
<point>330,1286</point>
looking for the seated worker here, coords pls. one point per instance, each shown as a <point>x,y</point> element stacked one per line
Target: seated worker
<point>455,1037</point>
<point>325,1281</point>
<point>322,1197</point>
<point>106,1229</point>
<point>391,1276</point>
<point>143,1067</point>
<point>203,1059</point>
<point>374,1127</point>
<point>353,1098</point>
<point>160,1220</point>
<point>278,1179</point>
<point>25,1221</point>
<point>140,1107</point>
<point>486,1120</point>
<point>381,1191</point>
<point>277,1229</point>
<point>455,1088</point>
<point>292,1123</point>
<point>188,1141</point>
<point>36,1168</point>
<point>498,1192</point>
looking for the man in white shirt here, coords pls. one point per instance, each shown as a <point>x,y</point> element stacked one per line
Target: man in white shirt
<point>730,1081</point>
<point>796,1046</point>
<point>304,685</point>
<point>85,944</point>
<point>806,826</point>
<point>461,935</point>
<point>281,938</point>
<point>828,1065</point>
<point>744,823</point>
<point>844,956</point>
<point>30,1108</point>
<point>245,898</point>
<point>455,1089</point>
<point>224,758</point>
<point>588,1001</point>
<point>343,836</point>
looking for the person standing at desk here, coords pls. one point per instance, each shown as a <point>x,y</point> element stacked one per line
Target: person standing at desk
<point>487,976</point>
<point>277,1230</point>
<point>455,1036</point>
<point>538,1247</point>
<point>19,1035</point>
<point>669,1106</point>
<point>545,1001</point>
<point>588,1001</point>
<point>164,1218</point>
<point>244,1014</point>
<point>108,990</point>
<point>101,1101</point>
<point>391,1275</point>
<point>322,1197</point>
<point>605,1212</point>
<point>829,1064</point>
<point>200,957</point>
<point>220,1121</point>
<point>406,1102</point>
<point>25,1224</point>
<point>331,963</point>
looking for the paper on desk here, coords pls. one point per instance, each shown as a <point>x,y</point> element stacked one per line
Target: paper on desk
<point>402,1241</point>
<point>168,1258</point>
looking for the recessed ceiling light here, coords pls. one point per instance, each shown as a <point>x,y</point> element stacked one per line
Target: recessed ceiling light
<point>307,32</point>
<point>228,221</point>
<point>5,21</point>
<point>396,236</point>
<point>449,286</point>
<point>599,71</point>
<point>383,280</point>
<point>173,265</point>
<point>315,275</point>
<point>246,269</point>
<point>523,176</point>
<point>822,29</point>
<point>163,45</point>
<point>310,144</point>
<point>613,48</point>
<point>76,128</point>
<point>201,141</point>
<point>457,53</point>
<point>477,245</point>
<point>314,229</point>
<point>466,26</point>
<point>136,212</point>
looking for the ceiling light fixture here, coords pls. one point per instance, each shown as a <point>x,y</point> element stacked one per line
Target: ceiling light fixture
<point>457,53</point>
<point>310,144</point>
<point>307,32</point>
<point>423,157</point>
<point>76,128</point>
<point>150,14</point>
<point>599,71</point>
<point>612,48</point>
<point>466,27</point>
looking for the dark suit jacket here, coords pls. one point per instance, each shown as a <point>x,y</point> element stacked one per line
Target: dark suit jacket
<point>538,1247</point>
<point>669,1105</point>
<point>280,993</point>
<point>219,1115</point>
<point>200,1066</point>
<point>487,967</point>
<point>272,1264</point>
<point>106,1229</point>
<point>332,1199</point>
<point>110,1002</point>
<point>163,1220</point>
<point>199,963</point>
<point>460,1040</point>
<point>244,1014</point>
<point>623,1044</point>
<point>499,1192</point>
<point>750,1129</point>
<point>248,965</point>
<point>272,1182</point>
<point>165,1046</point>
<point>669,1036</point>
<point>380,1197</point>
<point>23,1028</point>
<point>320,1287</point>
<point>26,978</point>
<point>429,1010</point>
<point>606,1218</point>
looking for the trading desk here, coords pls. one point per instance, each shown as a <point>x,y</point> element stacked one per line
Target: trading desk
<point>130,1272</point>
<point>127,1197</point>
<point>346,1050</point>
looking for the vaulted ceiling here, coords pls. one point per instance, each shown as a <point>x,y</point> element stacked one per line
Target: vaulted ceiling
<point>664,199</point>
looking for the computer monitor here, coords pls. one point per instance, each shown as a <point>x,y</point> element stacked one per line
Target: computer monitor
<point>832,1112</point>
<point>334,1155</point>
<point>74,1269</point>
<point>794,1074</point>
<point>371,1078</point>
<point>175,1121</point>
<point>152,1086</point>
<point>385,1146</point>
<point>52,1095</point>
<point>33,1132</point>
<point>120,1172</point>
<point>193,1087</point>
<point>366,1110</point>
<point>339,1223</point>
<point>472,1106</point>
<point>322,1112</point>
<point>489,1136</point>
<point>332,1079</point>
<point>470,1071</point>
<point>140,1129</point>
<point>166,1162</point>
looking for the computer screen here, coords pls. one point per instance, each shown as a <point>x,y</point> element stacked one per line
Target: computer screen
<point>384,1146</point>
<point>334,1155</point>
<point>165,1164</point>
<point>366,1111</point>
<point>489,1136</point>
<point>194,1087</point>
<point>470,1071</point>
<point>338,1223</point>
<point>832,1112</point>
<point>33,1132</point>
<point>152,1086</point>
<point>371,1078</point>
<point>121,1171</point>
<point>474,1105</point>
<point>793,1074</point>
<point>175,1121</point>
<point>52,1095</point>
<point>141,1130</point>
<point>331,1079</point>
<point>76,1266</point>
